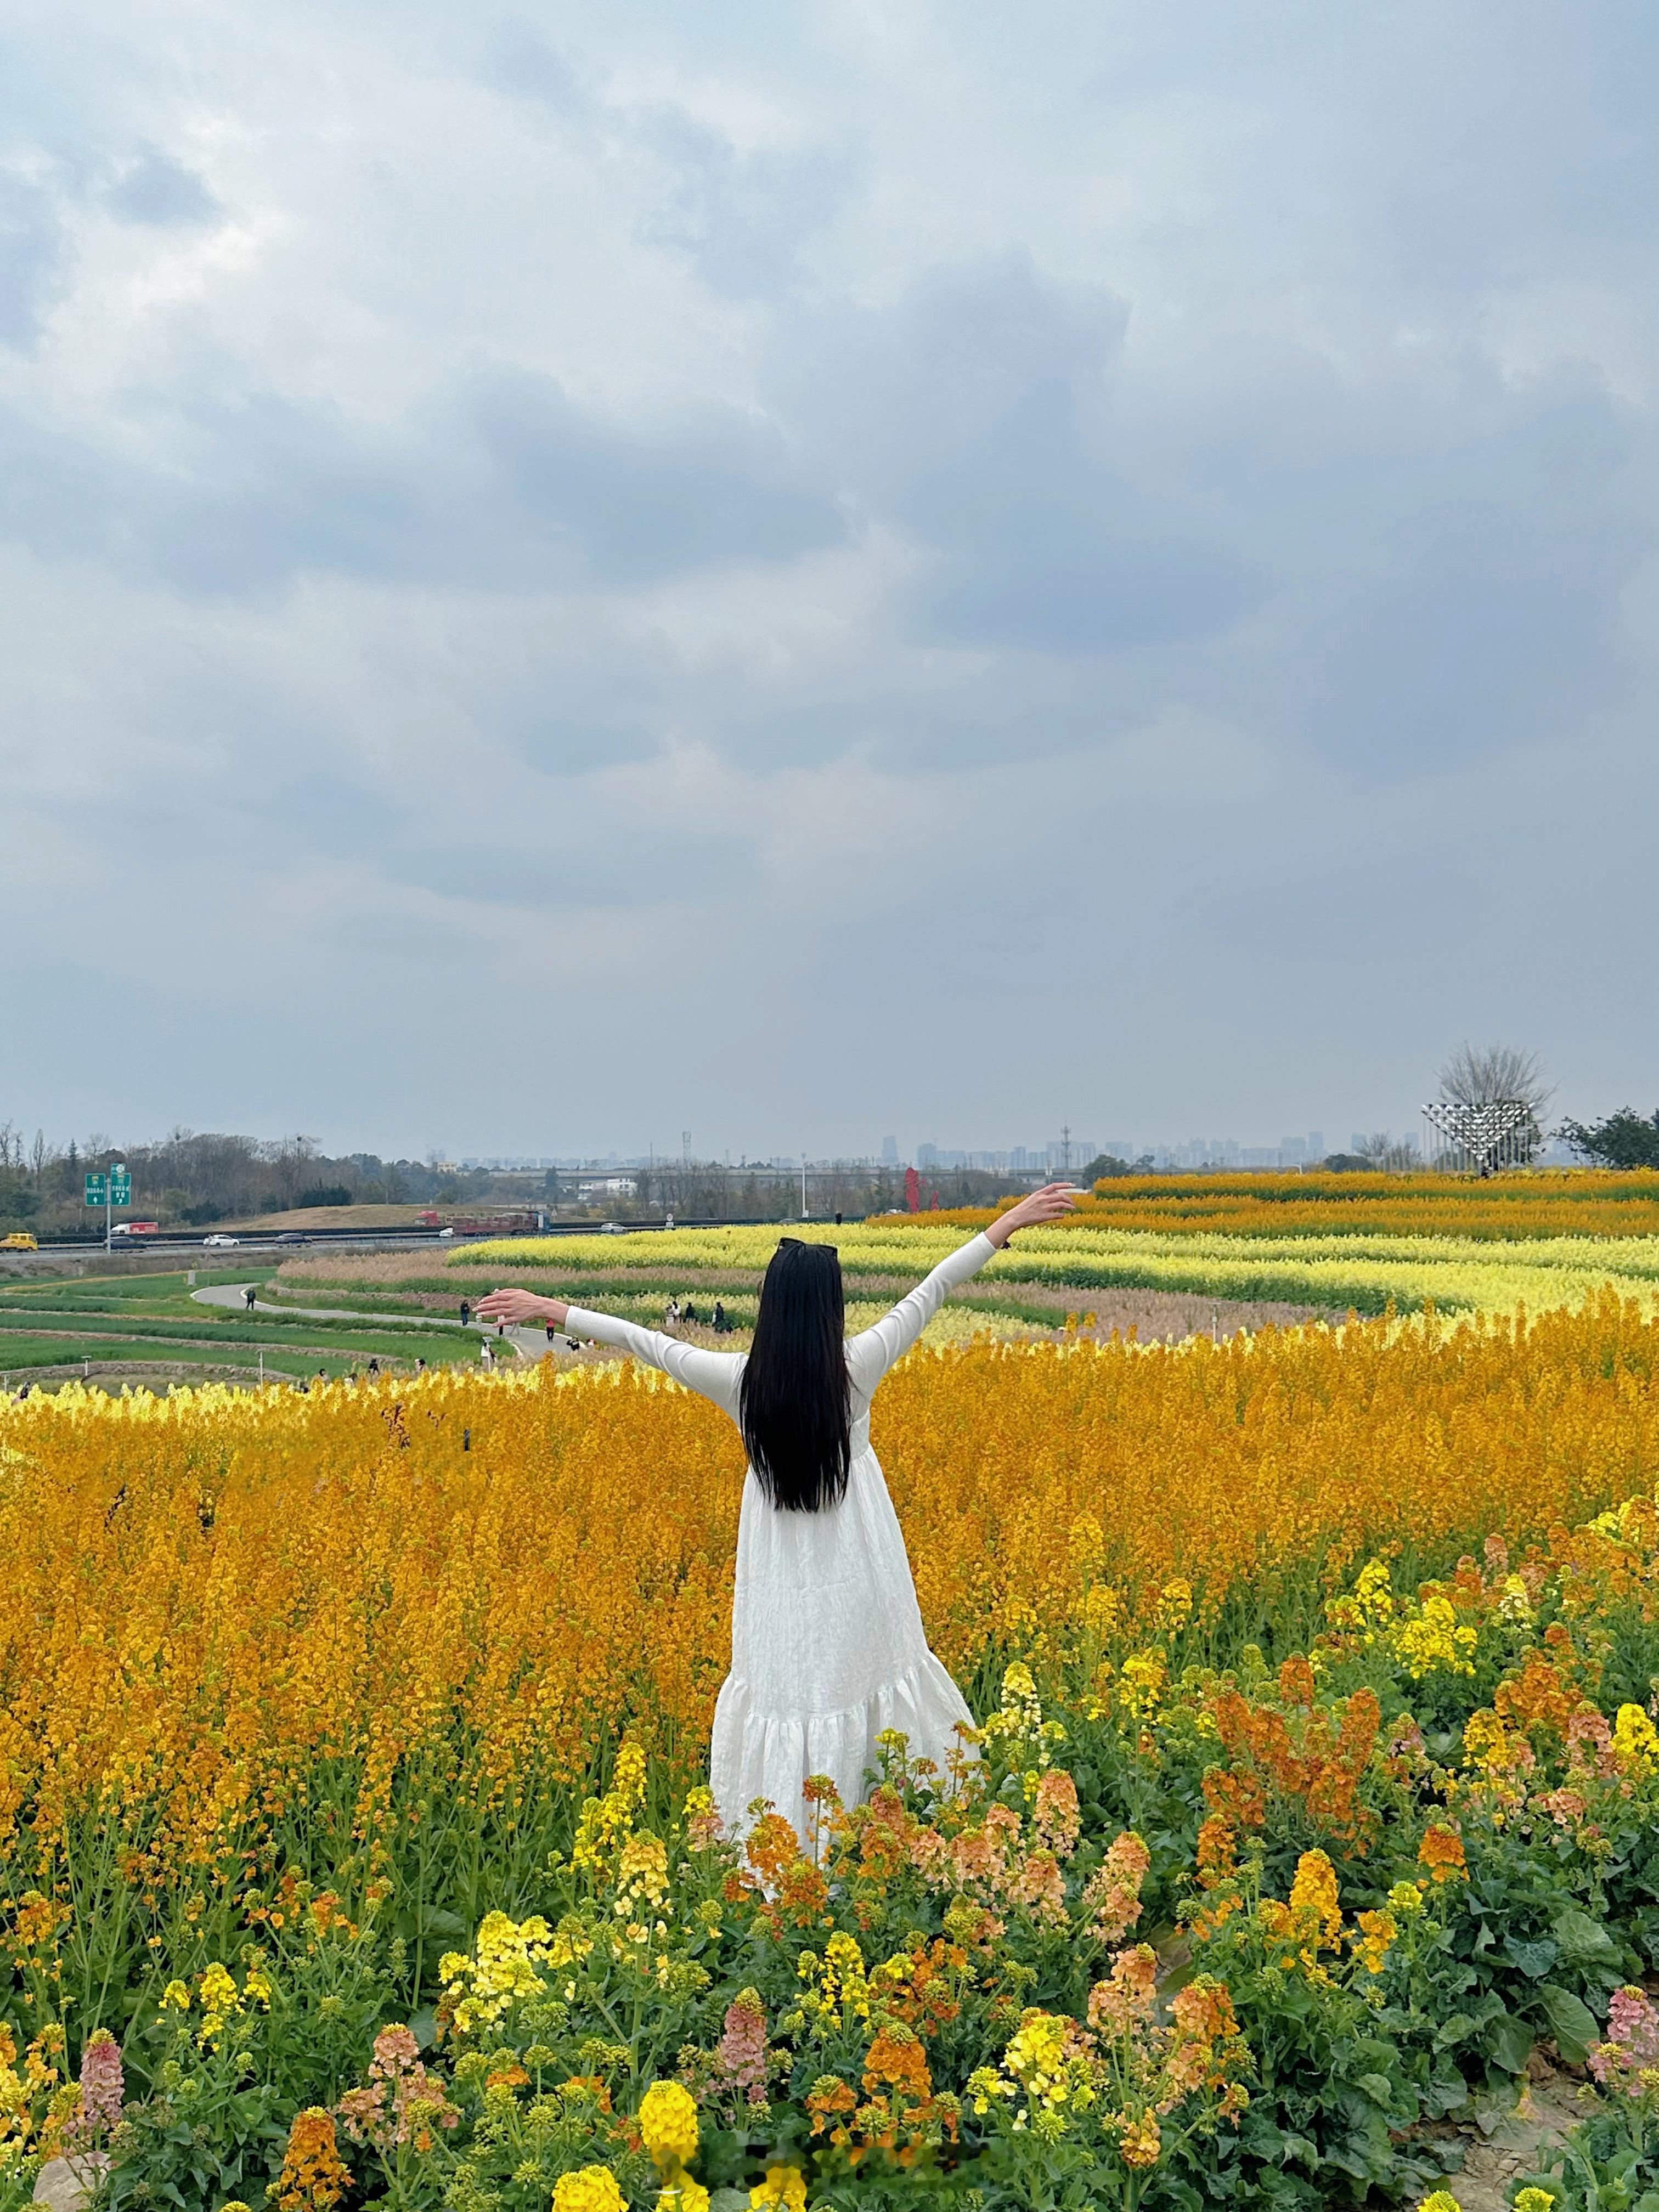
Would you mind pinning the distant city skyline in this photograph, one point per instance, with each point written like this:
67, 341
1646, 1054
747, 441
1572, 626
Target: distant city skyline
1056, 1156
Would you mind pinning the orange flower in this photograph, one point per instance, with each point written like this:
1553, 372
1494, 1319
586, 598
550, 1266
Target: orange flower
315, 2177
1442, 1852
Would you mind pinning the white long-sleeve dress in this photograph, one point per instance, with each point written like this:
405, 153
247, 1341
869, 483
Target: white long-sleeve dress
827, 1647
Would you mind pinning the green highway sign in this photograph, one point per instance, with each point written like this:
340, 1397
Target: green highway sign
95, 1194
121, 1187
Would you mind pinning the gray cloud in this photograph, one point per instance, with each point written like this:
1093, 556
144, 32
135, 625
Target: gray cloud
504, 482
156, 189
30, 252
742, 218
521, 63
974, 414
1133, 530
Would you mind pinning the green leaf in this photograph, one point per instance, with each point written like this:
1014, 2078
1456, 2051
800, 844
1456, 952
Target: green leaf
438, 1922
1584, 1942
1509, 2042
424, 2028
1533, 1959
1453, 2030
1376, 2088
1572, 2022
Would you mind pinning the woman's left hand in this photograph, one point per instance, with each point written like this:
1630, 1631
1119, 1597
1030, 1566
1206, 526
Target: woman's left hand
1051, 1203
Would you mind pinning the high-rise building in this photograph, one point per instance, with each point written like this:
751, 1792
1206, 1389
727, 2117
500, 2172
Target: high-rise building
890, 1151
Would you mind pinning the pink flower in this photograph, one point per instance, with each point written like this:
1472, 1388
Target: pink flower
1056, 1815
402, 2102
1112, 1900
1129, 1994
102, 2088
1633, 2044
741, 2054
1038, 1884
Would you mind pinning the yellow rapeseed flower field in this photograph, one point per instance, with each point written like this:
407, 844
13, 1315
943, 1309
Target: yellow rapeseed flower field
1362, 1273
233, 1616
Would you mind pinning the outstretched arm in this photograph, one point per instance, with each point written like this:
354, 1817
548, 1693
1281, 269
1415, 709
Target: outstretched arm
711, 1374
871, 1354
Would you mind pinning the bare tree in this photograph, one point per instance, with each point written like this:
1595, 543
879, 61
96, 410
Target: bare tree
1389, 1155
1494, 1075
1497, 1075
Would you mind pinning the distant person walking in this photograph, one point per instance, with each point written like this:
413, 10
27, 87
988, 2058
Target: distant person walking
466, 1312
827, 1647
722, 1327
248, 1296
487, 1358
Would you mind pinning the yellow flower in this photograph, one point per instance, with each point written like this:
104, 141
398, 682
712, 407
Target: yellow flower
682, 2194
1534, 2200
1636, 1740
1144, 1674
590, 2189
480, 1989
1175, 1605
1313, 1893
668, 2124
1140, 2140
1439, 2200
1377, 1931
1437, 1643
784, 2184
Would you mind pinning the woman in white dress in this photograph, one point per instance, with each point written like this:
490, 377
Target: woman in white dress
827, 1648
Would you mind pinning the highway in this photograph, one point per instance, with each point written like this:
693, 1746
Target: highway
289, 1240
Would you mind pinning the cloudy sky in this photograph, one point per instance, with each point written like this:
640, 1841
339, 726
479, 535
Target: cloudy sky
798, 572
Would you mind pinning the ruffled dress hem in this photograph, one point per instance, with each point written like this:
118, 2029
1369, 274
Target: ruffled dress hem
756, 1754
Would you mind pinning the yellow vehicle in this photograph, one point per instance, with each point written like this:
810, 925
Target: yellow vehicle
19, 1241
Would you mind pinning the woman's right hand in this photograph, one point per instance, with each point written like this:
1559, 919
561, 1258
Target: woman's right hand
516, 1308
1051, 1203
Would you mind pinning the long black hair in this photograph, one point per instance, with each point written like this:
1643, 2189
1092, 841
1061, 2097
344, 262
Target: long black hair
794, 1401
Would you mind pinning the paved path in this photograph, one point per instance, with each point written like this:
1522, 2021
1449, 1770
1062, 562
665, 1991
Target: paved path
531, 1343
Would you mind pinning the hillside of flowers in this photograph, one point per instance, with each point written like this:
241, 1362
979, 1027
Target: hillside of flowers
1326, 1260
353, 1850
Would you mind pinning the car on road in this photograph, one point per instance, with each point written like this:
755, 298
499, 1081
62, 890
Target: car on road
223, 1242
290, 1236
19, 1241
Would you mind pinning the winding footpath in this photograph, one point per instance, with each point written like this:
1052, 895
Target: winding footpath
529, 1343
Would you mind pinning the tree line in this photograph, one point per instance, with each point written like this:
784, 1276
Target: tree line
192, 1180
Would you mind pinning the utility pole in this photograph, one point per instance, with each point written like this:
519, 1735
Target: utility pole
1065, 1150
803, 1186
